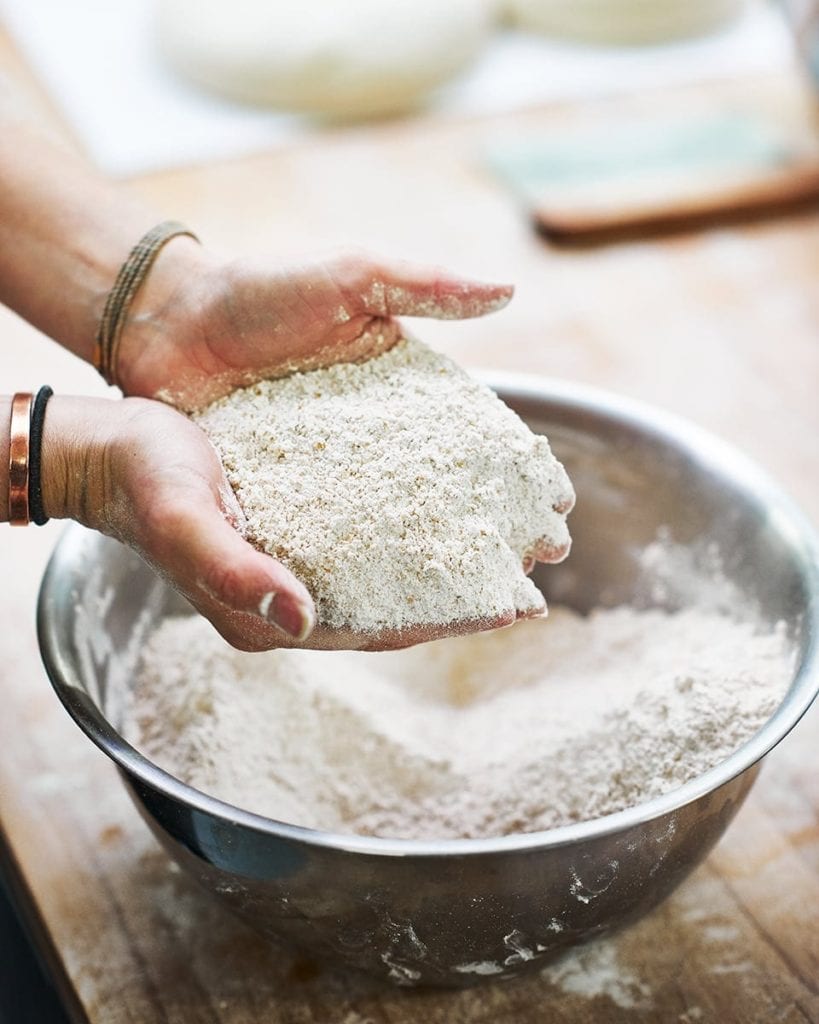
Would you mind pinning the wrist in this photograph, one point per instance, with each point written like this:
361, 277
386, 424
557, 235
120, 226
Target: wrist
72, 467
163, 315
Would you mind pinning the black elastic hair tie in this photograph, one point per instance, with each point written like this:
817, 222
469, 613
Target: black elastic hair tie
35, 484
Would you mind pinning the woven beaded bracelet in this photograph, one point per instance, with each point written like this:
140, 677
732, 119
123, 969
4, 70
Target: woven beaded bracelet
131, 275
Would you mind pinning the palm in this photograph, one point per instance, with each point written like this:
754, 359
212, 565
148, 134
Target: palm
178, 511
301, 320
242, 322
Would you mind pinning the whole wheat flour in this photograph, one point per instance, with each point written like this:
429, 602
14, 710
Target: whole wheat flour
545, 723
402, 492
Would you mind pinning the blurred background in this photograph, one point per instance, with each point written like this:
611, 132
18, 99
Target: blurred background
147, 84
645, 171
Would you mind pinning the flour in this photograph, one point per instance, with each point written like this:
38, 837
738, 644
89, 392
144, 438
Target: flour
596, 970
549, 722
400, 491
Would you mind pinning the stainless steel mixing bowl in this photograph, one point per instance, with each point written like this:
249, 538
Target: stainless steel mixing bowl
458, 911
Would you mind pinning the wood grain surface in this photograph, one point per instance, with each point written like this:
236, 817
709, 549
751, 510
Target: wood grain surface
722, 327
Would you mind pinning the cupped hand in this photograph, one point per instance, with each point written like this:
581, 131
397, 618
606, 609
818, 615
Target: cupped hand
143, 473
202, 326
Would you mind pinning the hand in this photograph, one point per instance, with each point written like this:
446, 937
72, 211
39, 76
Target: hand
201, 326
143, 473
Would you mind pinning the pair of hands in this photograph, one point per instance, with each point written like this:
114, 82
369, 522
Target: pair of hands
199, 328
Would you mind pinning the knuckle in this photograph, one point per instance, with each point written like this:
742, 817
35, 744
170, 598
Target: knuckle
226, 583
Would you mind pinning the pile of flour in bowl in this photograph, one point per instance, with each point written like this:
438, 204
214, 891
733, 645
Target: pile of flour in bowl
548, 722
402, 492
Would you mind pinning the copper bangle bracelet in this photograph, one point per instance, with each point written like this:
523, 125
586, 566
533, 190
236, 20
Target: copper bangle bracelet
19, 434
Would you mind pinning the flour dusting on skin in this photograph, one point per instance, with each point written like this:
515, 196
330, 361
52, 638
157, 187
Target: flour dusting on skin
449, 305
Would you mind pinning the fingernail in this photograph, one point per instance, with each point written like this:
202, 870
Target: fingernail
291, 615
501, 300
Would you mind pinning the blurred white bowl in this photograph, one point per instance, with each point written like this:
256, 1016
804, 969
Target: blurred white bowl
623, 21
361, 58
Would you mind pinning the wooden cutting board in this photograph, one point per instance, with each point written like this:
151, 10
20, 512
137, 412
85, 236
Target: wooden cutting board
721, 327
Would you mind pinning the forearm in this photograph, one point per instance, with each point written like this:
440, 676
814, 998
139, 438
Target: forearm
64, 231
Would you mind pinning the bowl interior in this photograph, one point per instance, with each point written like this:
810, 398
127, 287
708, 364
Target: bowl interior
665, 515
668, 515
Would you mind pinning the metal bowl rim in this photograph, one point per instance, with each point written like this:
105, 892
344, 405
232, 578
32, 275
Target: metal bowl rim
707, 448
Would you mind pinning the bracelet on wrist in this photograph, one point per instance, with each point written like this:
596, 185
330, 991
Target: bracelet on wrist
19, 429
37, 512
25, 501
131, 275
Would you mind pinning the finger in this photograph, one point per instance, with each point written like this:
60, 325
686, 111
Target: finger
244, 632
249, 633
387, 288
549, 551
538, 612
223, 574
395, 639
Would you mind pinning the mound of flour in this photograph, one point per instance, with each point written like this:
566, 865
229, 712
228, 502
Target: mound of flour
548, 722
402, 492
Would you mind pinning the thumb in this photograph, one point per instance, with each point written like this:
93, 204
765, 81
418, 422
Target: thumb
221, 573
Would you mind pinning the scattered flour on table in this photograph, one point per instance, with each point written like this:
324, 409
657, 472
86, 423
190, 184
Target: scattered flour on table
596, 970
548, 722
402, 492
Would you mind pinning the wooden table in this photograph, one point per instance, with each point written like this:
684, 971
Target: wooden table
722, 327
